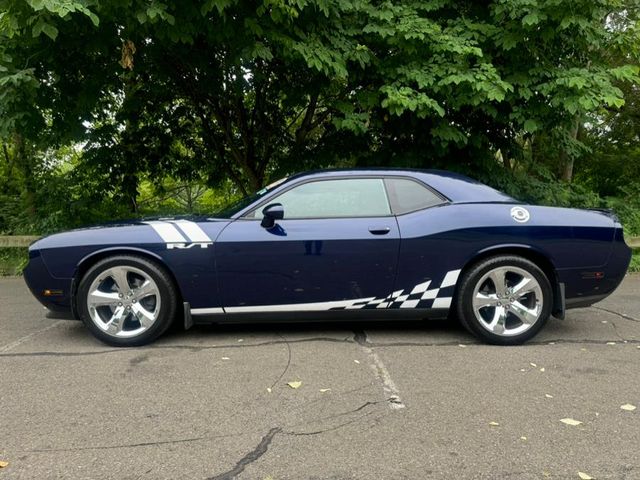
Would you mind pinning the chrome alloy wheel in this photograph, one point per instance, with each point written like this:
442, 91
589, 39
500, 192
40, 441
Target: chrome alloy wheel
123, 301
507, 301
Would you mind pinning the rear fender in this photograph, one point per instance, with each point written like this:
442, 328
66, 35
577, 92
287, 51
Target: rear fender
537, 256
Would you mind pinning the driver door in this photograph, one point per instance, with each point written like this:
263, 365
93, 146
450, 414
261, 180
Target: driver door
336, 247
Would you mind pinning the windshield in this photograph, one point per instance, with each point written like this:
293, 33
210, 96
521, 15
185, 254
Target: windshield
234, 207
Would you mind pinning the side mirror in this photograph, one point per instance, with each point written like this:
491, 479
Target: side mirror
271, 213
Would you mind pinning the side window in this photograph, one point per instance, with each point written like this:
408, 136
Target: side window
407, 196
357, 197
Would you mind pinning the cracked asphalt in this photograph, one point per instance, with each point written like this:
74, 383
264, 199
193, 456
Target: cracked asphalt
397, 400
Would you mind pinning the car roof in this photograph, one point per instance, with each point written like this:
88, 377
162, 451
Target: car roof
456, 187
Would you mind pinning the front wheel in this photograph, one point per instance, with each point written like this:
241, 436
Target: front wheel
504, 300
126, 300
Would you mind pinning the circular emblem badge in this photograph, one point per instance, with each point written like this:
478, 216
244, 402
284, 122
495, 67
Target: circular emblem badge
520, 214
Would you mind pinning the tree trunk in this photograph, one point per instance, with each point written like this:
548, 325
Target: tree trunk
567, 161
24, 162
9, 173
506, 161
566, 175
130, 189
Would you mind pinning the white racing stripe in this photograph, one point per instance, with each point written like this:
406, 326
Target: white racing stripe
168, 232
206, 311
296, 307
192, 230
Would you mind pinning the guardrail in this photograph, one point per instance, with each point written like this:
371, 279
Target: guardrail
16, 240
9, 241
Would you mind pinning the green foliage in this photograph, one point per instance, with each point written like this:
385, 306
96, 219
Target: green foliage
627, 206
116, 108
13, 261
260, 85
536, 184
635, 262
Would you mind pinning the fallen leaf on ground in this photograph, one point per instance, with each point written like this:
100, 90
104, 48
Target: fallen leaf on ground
357, 361
628, 407
585, 476
494, 424
323, 390
3, 464
295, 384
225, 358
548, 396
571, 421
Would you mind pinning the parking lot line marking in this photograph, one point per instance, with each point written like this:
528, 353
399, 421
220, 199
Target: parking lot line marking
26, 338
388, 385
380, 370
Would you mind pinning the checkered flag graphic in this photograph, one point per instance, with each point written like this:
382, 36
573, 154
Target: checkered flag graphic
421, 296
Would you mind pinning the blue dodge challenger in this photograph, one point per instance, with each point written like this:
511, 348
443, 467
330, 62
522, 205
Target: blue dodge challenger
338, 244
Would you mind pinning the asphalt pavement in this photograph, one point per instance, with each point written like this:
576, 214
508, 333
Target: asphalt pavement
392, 400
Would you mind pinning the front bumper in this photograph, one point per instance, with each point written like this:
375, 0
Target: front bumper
54, 293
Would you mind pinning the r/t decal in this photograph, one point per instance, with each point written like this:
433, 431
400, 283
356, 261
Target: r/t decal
183, 246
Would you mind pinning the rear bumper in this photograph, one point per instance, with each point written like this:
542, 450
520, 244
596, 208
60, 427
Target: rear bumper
582, 302
584, 287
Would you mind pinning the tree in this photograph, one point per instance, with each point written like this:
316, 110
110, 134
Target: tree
249, 90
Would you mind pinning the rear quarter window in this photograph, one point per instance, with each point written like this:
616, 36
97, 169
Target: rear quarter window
408, 195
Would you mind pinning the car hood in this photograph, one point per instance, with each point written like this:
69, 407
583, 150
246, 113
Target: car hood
136, 232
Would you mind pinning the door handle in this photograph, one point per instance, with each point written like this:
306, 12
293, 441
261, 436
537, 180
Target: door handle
379, 230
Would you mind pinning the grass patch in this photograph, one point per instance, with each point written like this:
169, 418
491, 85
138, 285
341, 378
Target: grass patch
13, 261
635, 261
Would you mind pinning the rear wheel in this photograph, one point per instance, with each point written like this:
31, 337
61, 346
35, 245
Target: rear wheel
126, 300
504, 300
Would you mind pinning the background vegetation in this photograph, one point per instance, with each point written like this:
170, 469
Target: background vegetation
125, 108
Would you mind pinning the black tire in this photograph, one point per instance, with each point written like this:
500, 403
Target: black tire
165, 286
469, 281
